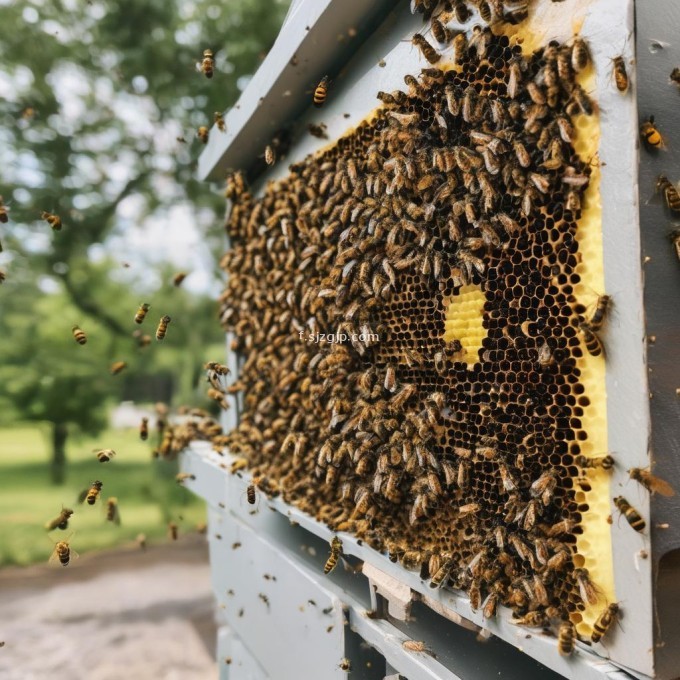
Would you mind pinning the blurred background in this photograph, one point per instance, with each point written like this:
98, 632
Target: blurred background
100, 102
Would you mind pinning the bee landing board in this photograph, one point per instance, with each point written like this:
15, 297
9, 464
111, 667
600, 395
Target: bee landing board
469, 223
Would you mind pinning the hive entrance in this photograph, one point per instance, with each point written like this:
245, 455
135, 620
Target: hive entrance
464, 321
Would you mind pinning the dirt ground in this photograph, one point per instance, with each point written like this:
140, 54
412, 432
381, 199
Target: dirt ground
133, 614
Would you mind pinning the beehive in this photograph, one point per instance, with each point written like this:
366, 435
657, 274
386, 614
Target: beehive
459, 224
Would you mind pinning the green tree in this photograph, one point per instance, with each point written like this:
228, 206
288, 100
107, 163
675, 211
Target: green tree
89, 122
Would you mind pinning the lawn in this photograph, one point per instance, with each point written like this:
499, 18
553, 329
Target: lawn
146, 490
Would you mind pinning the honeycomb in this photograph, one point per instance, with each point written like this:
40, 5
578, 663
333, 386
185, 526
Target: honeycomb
408, 304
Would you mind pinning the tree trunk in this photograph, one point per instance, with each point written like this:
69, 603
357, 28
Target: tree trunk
59, 434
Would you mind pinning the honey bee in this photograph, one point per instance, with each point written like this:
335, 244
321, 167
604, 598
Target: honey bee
592, 341
173, 531
63, 553
104, 455
620, 74
650, 482
112, 512
79, 335
4, 217
203, 134
604, 622
117, 367
345, 664
601, 306
60, 521
587, 589
181, 477
651, 135
416, 646
143, 340
53, 220
144, 429
460, 48
604, 462
3, 276
162, 327
219, 121
336, 551
318, 131
580, 55
208, 64
534, 619
178, 279
630, 513
439, 31
544, 487
675, 75
566, 638
670, 193
427, 50
675, 240
93, 493
320, 92
269, 155
251, 496
141, 312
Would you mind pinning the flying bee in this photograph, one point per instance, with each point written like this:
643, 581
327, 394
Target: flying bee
60, 521
173, 531
269, 155
587, 589
4, 217
620, 74
219, 397
651, 135
630, 513
650, 482
182, 477
63, 552
669, 192
53, 220
336, 551
144, 429
203, 134
141, 312
79, 335
208, 64
320, 92
592, 341
603, 462
566, 638
178, 279
219, 121
112, 512
117, 367
675, 75
427, 50
604, 622
162, 327
92, 493
318, 131
104, 455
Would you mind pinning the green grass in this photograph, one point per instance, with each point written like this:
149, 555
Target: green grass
147, 493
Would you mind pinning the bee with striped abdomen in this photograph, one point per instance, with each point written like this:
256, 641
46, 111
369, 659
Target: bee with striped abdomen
604, 622
603, 462
93, 492
566, 638
620, 74
650, 135
79, 335
321, 91
141, 312
630, 513
144, 429
601, 306
592, 341
669, 192
208, 63
336, 551
53, 220
251, 495
63, 553
162, 327
587, 589
426, 49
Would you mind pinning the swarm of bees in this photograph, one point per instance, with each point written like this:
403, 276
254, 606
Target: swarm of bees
466, 177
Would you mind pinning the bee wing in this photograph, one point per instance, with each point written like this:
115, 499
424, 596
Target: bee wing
54, 558
660, 486
82, 496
